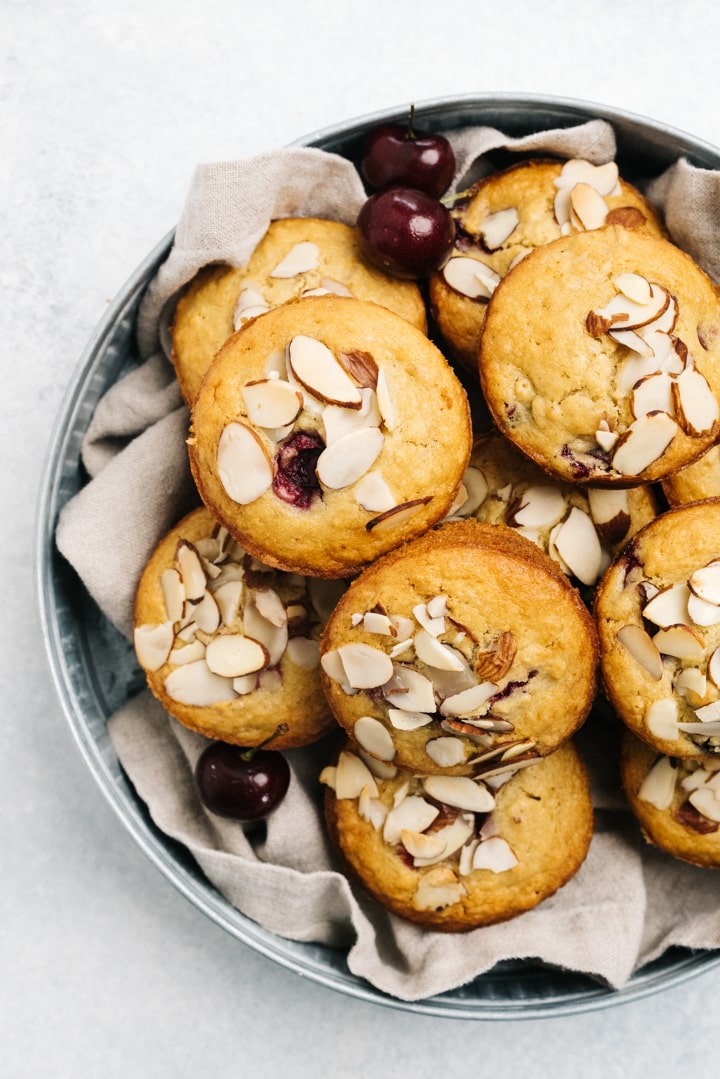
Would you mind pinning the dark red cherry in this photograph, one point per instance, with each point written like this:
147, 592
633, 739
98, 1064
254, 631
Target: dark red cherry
243, 784
295, 480
405, 232
394, 154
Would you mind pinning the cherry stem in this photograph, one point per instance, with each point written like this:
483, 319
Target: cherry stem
248, 754
410, 131
451, 199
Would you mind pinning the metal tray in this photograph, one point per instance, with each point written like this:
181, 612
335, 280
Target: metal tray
94, 668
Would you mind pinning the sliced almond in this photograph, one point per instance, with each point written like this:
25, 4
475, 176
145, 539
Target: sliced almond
187, 653
339, 421
625, 314
270, 606
461, 792
604, 178
371, 809
668, 606
173, 594
701, 612
634, 286
195, 684
352, 776
707, 802
192, 572
658, 787
398, 515
411, 814
361, 367
695, 404
422, 846
152, 644
709, 713
233, 655
653, 393
635, 368
432, 624
494, 854
541, 506
453, 836
345, 461
446, 752
207, 613
661, 719
713, 667
365, 667
498, 227
376, 622
408, 721
304, 653
610, 511
679, 641
271, 402
410, 691
373, 493
384, 400
318, 371
244, 467
301, 258
470, 277
250, 303
636, 343
641, 647
643, 443
431, 651
588, 206
469, 701
690, 680
228, 597
374, 738
705, 582
476, 489
274, 638
577, 543
437, 889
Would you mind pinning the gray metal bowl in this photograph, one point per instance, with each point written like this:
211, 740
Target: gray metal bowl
94, 669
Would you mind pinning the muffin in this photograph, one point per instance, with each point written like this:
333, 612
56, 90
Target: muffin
509, 213
328, 432
451, 853
464, 649
229, 646
297, 257
600, 357
699, 480
676, 801
658, 618
580, 528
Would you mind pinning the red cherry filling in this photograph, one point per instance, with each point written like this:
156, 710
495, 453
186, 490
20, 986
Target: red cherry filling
295, 479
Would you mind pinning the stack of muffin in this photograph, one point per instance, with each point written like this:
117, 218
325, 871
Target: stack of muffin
362, 564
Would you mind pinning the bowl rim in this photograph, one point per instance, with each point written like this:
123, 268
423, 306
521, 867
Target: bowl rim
451, 1004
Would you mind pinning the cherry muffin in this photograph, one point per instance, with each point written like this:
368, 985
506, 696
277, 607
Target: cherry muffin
509, 213
453, 853
466, 648
600, 357
328, 432
676, 801
297, 257
658, 617
229, 646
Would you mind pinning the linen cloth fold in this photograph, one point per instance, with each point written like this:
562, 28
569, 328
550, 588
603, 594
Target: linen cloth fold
627, 904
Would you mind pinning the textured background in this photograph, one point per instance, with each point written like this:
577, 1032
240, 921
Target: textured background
104, 112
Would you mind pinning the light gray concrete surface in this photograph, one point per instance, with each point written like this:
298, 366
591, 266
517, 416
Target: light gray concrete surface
104, 112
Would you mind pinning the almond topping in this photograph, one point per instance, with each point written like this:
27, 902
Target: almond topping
412, 813
374, 738
643, 443
365, 667
194, 578
695, 404
658, 787
476, 489
361, 367
634, 286
318, 371
609, 510
540, 506
713, 668
431, 651
410, 691
301, 258
228, 597
250, 304
626, 314
578, 545
641, 647
438, 888
587, 206
470, 277
690, 680
173, 594
653, 393
468, 701
275, 638
705, 582
661, 719
446, 752
352, 777
494, 854
707, 802
493, 665
497, 227
153, 644
701, 612
669, 606
679, 641
244, 467
304, 653
194, 683
339, 421
398, 515
233, 655
604, 178
271, 402
461, 792
373, 493
384, 400
422, 846
347, 459
408, 721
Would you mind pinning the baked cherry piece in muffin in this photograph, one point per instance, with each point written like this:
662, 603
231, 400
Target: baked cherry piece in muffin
326, 433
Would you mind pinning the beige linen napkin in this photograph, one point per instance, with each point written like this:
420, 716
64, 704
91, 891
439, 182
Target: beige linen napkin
627, 904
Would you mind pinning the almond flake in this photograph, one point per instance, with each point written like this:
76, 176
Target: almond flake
541, 506
270, 402
318, 371
422, 846
578, 545
695, 403
641, 647
270, 606
658, 787
679, 641
304, 653
373, 493
625, 314
371, 809
398, 515
494, 854
604, 178
661, 719
706, 802
701, 612
195, 684
705, 582
228, 597
374, 738
469, 701
636, 343
709, 713
384, 400
494, 664
207, 613
352, 776
432, 624
669, 606
410, 691
375, 622
470, 277
244, 467
587, 206
408, 721
339, 421
301, 258
461, 792
690, 680
173, 594
438, 892
453, 836
192, 573
274, 638
446, 752
653, 393
713, 667
365, 667
497, 227
412, 814
361, 367
346, 460
643, 443
634, 286
187, 653
233, 655
476, 489
247, 683
609, 510
431, 651
250, 304
153, 644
